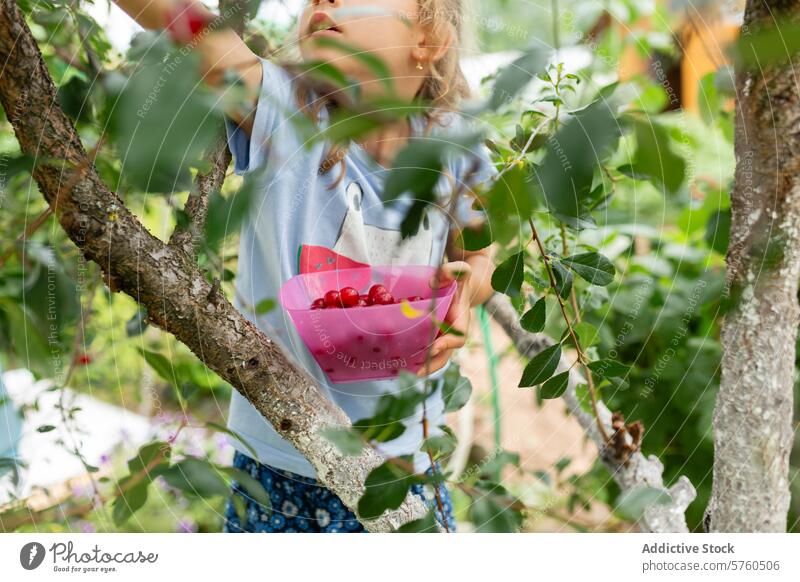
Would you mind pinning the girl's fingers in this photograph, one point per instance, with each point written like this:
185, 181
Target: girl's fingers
436, 363
447, 342
449, 272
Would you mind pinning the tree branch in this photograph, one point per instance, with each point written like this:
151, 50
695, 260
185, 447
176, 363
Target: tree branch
637, 470
165, 280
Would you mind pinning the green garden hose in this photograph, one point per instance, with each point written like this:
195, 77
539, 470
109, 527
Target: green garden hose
483, 316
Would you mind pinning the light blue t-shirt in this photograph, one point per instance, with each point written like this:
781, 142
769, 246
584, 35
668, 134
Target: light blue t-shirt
295, 206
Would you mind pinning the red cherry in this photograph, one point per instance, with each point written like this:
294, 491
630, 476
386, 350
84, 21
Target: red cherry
332, 299
183, 22
318, 303
197, 21
362, 302
384, 298
83, 359
376, 290
348, 296
415, 298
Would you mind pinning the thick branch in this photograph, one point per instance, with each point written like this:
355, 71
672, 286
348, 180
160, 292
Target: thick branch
165, 280
753, 415
639, 470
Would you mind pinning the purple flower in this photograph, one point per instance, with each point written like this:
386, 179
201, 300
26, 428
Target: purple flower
82, 490
186, 526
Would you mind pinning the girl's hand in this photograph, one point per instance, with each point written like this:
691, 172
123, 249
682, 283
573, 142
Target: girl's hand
457, 317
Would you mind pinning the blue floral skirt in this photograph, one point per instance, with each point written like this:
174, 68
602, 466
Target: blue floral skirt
300, 504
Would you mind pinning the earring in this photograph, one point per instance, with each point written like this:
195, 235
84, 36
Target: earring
419, 66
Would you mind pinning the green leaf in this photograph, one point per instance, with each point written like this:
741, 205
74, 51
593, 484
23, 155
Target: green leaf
586, 332
476, 238
584, 398
562, 464
327, 72
593, 267
386, 488
346, 126
163, 120
632, 503
718, 231
439, 446
45, 428
608, 368
555, 386
534, 319
347, 441
240, 507
490, 516
252, 486
497, 461
165, 370
226, 214
523, 136
128, 503
512, 194
413, 218
21, 164
544, 477
136, 324
147, 455
541, 366
370, 60
573, 154
655, 158
29, 342
425, 524
418, 167
74, 98
265, 306
564, 279
618, 383
508, 276
513, 78
234, 434
456, 389
197, 477
386, 424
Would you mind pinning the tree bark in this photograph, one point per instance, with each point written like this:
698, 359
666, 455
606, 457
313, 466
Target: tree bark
639, 471
753, 414
165, 280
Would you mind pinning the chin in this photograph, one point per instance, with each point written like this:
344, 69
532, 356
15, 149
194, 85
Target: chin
329, 56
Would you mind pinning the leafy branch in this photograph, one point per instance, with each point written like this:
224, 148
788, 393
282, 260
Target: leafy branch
582, 358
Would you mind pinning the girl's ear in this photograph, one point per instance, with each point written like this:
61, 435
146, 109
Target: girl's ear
433, 47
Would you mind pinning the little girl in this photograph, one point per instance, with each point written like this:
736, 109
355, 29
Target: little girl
318, 204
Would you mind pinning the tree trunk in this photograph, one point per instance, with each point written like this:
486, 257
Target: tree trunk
753, 414
165, 280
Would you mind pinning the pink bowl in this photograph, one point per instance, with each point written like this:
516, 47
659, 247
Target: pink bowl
368, 343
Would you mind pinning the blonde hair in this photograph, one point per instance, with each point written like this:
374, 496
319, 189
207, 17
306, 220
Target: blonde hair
443, 88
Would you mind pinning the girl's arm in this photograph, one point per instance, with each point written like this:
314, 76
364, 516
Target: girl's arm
219, 50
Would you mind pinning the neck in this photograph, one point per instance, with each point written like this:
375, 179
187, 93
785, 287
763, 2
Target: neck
384, 143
